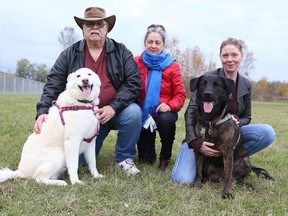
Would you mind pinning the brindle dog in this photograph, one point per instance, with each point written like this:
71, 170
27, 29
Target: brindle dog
215, 125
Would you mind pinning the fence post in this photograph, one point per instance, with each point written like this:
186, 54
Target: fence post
15, 84
4, 86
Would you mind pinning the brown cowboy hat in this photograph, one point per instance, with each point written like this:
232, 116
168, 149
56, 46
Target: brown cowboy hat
94, 14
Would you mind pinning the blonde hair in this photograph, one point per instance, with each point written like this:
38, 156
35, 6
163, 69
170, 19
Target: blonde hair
233, 41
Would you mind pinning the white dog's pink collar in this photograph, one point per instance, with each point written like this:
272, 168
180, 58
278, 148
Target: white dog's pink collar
76, 108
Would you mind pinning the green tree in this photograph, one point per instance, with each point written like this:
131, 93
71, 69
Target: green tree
24, 69
34, 71
41, 72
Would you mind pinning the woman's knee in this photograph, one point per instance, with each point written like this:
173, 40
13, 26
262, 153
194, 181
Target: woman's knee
258, 132
167, 118
269, 133
257, 137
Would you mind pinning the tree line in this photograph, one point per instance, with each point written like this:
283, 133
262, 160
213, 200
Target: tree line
192, 61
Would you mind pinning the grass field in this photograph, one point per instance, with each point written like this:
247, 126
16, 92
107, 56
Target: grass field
152, 192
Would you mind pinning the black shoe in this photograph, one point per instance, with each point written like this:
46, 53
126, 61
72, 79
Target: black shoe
163, 164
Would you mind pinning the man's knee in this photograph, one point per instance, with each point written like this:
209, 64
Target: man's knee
133, 110
132, 115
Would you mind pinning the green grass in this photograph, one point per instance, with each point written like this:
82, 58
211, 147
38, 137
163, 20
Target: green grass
152, 192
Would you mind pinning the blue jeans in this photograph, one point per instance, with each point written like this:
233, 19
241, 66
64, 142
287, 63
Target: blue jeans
128, 123
255, 138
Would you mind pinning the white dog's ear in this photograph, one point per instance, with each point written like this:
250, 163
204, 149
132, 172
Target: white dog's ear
68, 77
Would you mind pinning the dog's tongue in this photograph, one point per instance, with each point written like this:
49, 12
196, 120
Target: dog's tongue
86, 91
208, 106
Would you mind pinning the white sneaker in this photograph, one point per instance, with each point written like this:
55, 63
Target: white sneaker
128, 166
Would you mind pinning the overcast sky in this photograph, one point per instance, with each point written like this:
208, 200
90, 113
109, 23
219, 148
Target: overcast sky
30, 28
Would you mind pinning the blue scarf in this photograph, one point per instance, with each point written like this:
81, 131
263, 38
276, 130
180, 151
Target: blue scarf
156, 64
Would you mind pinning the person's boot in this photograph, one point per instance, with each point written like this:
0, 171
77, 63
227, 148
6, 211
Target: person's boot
163, 164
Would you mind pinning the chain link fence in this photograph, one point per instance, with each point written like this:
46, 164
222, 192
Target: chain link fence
10, 84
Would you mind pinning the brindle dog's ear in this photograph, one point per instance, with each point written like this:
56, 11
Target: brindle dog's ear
193, 84
230, 85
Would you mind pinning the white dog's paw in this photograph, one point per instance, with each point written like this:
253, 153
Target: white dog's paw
51, 182
98, 176
61, 183
77, 182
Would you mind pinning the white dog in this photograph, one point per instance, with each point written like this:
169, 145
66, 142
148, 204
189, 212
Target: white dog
70, 130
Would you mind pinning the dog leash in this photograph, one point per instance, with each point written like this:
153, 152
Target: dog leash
261, 173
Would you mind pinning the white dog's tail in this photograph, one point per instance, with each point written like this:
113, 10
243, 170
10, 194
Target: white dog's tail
6, 174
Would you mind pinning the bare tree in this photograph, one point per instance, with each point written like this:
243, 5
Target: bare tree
67, 37
198, 62
211, 64
247, 64
262, 88
171, 47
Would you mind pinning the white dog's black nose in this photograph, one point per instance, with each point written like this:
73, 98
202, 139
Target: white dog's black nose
85, 81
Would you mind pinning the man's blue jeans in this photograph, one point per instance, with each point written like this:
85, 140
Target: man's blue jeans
255, 138
128, 123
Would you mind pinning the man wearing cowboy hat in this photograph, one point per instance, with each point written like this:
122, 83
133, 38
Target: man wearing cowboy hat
120, 84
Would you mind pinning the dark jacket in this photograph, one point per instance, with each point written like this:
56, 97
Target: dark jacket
243, 100
121, 67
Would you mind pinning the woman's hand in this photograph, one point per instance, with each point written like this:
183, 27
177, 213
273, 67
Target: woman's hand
163, 107
235, 119
209, 152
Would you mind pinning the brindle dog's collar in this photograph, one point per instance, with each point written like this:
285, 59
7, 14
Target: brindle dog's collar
226, 118
209, 127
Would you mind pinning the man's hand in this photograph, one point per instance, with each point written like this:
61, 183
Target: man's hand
105, 114
39, 122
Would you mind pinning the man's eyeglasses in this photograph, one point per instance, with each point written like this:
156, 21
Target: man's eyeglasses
99, 24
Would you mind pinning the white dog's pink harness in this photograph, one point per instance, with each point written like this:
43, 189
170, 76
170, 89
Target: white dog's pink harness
76, 108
